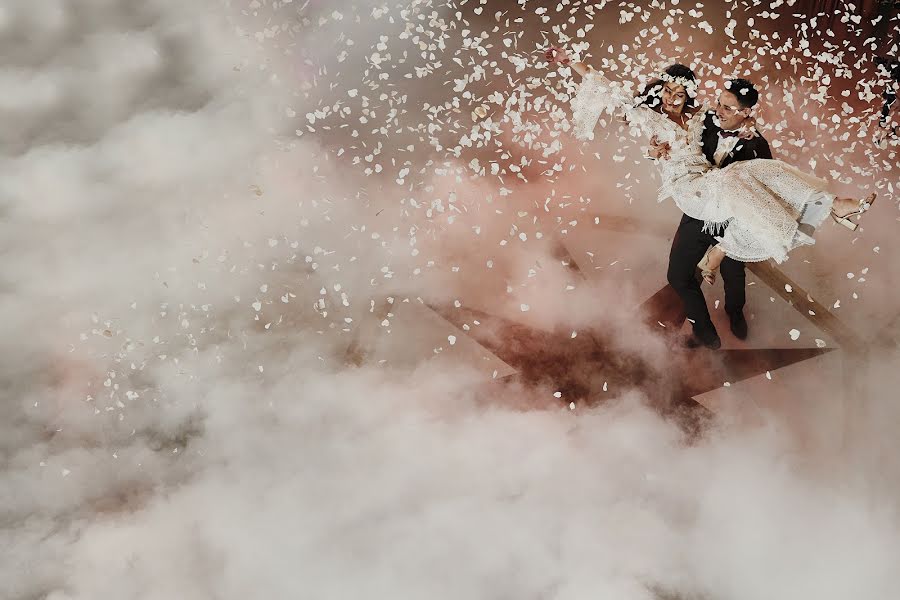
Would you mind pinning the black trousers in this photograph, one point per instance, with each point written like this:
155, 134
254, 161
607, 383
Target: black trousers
688, 247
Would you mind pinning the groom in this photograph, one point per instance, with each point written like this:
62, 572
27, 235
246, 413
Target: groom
722, 146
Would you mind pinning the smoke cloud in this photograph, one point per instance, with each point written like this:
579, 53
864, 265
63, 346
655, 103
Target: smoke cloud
228, 233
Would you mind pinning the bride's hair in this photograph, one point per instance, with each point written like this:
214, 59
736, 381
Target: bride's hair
651, 95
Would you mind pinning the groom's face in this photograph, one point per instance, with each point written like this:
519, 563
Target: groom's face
730, 112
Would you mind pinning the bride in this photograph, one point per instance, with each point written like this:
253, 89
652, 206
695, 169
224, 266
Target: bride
761, 201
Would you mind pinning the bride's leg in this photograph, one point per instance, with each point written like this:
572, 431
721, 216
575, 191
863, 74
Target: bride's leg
844, 208
710, 264
715, 258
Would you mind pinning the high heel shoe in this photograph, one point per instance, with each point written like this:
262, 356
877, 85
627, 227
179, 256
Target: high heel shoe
709, 275
864, 205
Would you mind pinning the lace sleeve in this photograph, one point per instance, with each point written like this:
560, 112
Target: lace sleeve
728, 241
597, 95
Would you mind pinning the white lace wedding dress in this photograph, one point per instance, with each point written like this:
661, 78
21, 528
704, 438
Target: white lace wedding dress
763, 202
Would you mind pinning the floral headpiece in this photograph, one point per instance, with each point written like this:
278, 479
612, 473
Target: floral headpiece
689, 85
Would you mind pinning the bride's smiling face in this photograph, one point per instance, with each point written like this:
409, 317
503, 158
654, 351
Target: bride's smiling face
674, 97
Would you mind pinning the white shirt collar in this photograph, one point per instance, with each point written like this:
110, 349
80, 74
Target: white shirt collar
724, 147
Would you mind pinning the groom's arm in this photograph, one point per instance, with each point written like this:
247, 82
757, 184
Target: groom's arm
762, 149
758, 147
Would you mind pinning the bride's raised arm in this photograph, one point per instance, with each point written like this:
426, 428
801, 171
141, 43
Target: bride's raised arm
555, 54
595, 95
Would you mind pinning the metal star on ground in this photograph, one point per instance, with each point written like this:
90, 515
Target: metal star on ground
592, 366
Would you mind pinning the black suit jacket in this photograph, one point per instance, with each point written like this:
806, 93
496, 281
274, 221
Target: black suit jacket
758, 147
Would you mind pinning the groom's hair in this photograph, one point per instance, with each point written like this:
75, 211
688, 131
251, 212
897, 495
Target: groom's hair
744, 91
651, 95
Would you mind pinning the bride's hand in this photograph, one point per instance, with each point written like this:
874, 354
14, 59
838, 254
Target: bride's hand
659, 150
555, 54
748, 129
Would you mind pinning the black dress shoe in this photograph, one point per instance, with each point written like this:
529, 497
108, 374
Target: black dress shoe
738, 326
713, 343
